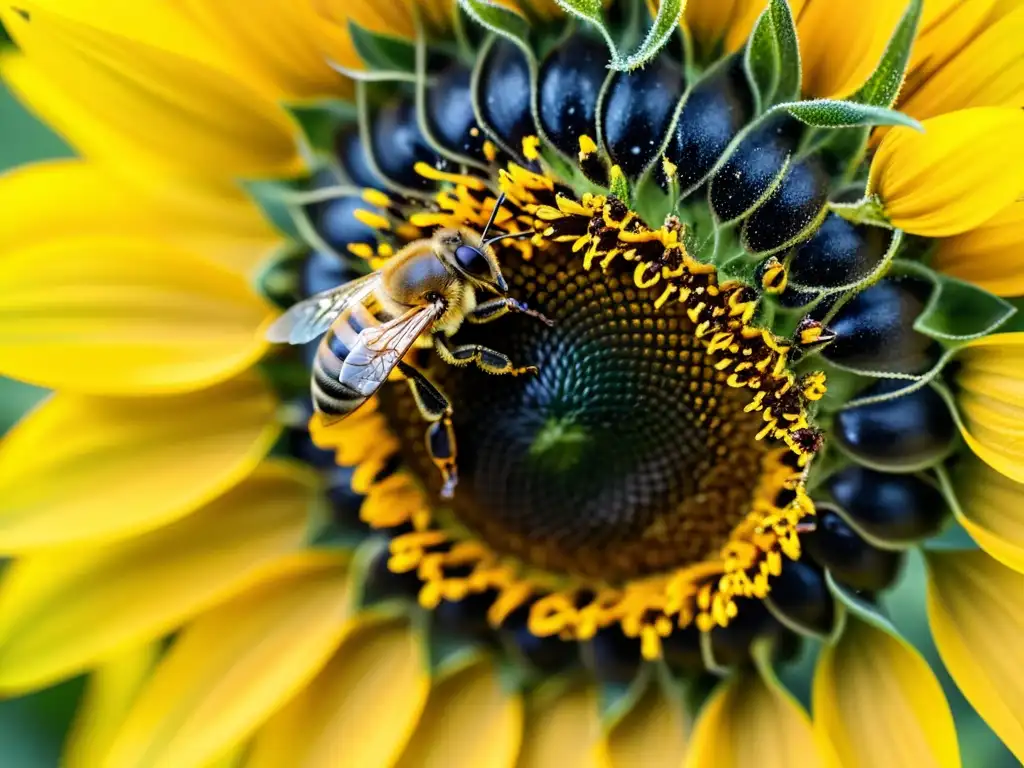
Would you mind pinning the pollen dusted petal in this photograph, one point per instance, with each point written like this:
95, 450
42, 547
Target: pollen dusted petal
235, 665
976, 612
470, 721
108, 696
126, 466
167, 108
361, 709
652, 734
65, 609
841, 42
991, 255
878, 702
748, 721
124, 316
962, 170
991, 401
210, 220
564, 732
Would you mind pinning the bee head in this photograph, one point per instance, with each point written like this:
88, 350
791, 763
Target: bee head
466, 253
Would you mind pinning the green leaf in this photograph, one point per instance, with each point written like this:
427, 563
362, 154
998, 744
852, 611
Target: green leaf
16, 399
319, 121
499, 20
788, 87
616, 699
761, 61
884, 85
383, 51
592, 12
271, 196
833, 113
5, 36
772, 57
859, 607
961, 311
665, 23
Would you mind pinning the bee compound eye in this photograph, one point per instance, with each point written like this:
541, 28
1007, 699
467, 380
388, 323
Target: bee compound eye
473, 261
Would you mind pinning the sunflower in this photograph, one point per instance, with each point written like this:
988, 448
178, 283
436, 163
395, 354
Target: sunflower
777, 245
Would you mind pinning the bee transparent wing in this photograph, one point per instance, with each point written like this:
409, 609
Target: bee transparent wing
309, 318
378, 350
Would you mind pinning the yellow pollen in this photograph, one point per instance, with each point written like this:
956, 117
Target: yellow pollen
371, 219
428, 171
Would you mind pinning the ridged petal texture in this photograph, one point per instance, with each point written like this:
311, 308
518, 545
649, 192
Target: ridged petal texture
361, 709
992, 511
205, 219
879, 703
990, 255
127, 465
653, 733
64, 610
960, 172
750, 721
991, 401
173, 102
976, 611
470, 721
232, 667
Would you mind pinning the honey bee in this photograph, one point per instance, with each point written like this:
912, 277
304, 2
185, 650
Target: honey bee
420, 297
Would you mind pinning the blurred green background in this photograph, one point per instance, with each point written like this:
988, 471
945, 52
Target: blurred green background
32, 728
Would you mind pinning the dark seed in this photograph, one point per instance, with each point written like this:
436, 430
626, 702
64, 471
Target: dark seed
790, 209
612, 657
895, 508
636, 113
345, 503
298, 441
322, 271
338, 226
398, 144
836, 546
503, 94
899, 435
752, 166
875, 331
382, 584
800, 594
449, 113
682, 650
353, 159
548, 654
839, 253
569, 84
440, 445
730, 645
714, 112
466, 618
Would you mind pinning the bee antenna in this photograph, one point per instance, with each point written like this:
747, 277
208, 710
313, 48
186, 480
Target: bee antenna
494, 212
510, 236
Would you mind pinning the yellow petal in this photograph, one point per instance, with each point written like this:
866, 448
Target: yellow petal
976, 612
981, 70
109, 695
278, 39
842, 41
944, 28
66, 609
991, 508
361, 709
990, 400
124, 316
990, 255
748, 722
80, 469
470, 721
956, 175
878, 702
210, 220
653, 733
564, 732
164, 108
235, 665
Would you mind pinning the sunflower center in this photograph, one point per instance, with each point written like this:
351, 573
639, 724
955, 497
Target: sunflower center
627, 454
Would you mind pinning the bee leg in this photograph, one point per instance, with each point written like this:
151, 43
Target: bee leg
437, 410
491, 310
485, 358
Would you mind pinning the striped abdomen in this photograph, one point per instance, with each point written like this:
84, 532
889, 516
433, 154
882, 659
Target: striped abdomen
331, 397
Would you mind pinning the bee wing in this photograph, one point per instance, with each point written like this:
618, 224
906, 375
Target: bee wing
309, 318
378, 350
